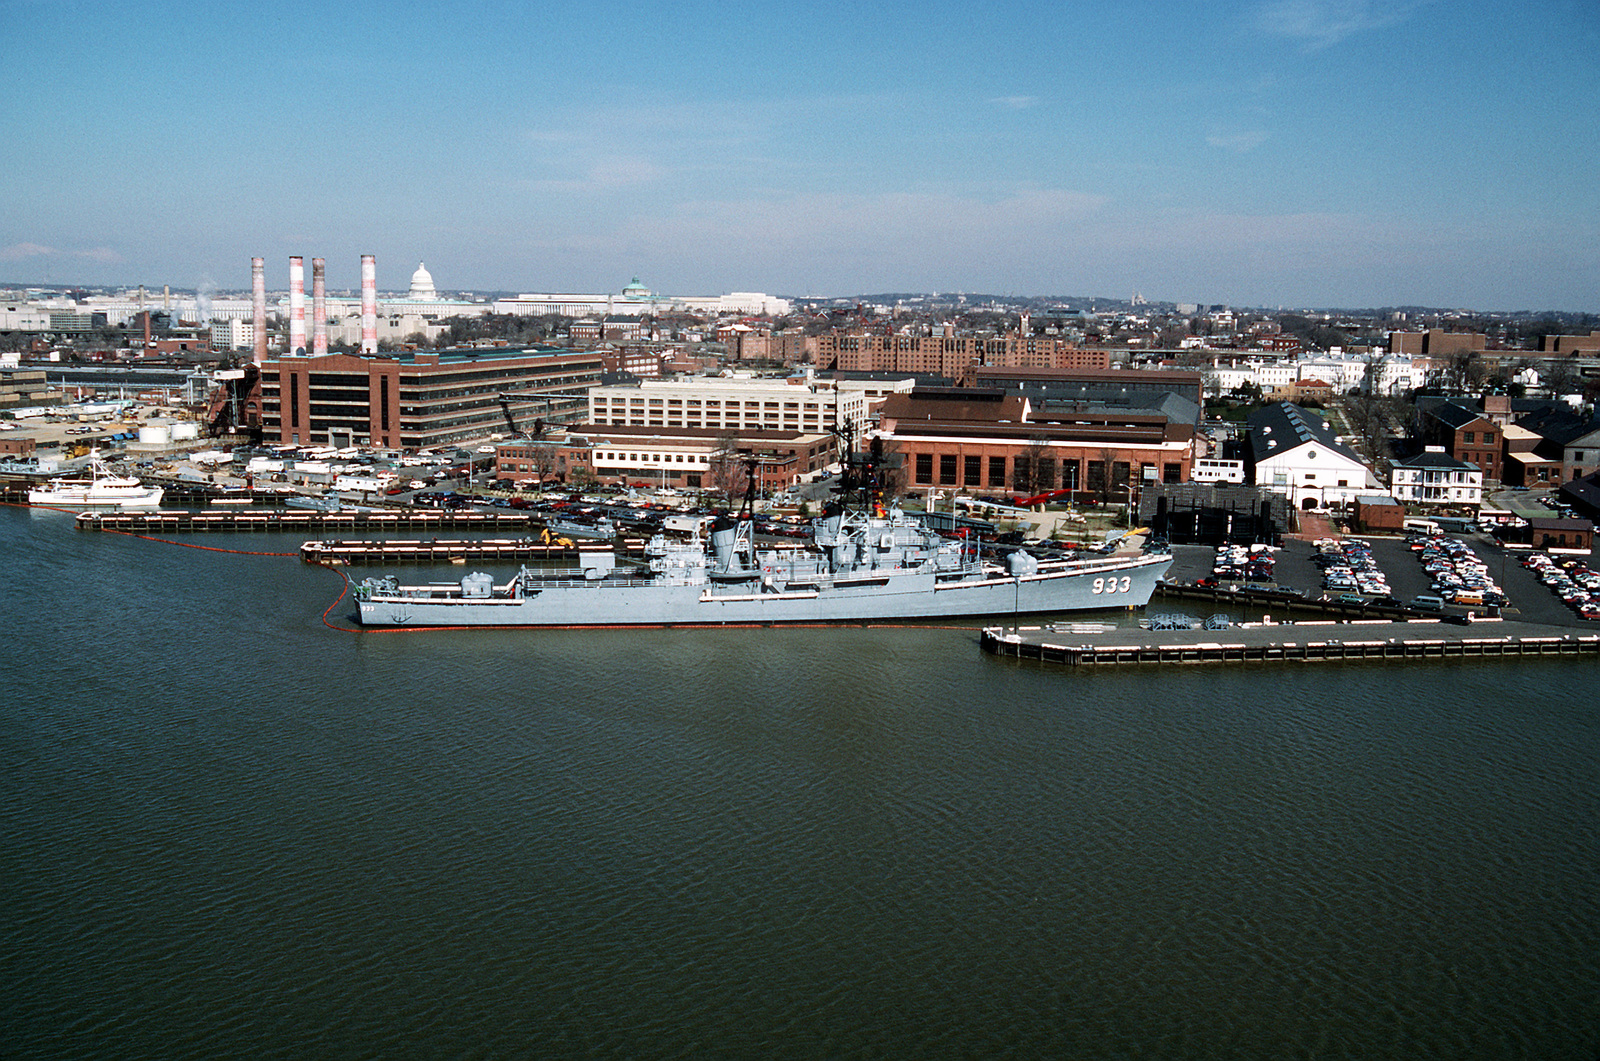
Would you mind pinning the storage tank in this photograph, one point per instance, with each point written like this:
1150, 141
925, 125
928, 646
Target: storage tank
155, 434
185, 431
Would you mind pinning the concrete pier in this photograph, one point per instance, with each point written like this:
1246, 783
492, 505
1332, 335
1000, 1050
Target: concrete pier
1282, 643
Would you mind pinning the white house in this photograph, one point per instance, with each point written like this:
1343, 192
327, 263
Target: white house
1433, 477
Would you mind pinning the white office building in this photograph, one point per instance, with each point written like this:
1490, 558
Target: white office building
796, 403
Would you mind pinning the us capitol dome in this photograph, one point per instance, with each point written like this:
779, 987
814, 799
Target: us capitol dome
422, 288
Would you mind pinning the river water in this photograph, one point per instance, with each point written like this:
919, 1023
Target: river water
232, 830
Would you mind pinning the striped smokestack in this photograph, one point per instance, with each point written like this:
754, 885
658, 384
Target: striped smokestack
319, 308
297, 306
369, 304
258, 306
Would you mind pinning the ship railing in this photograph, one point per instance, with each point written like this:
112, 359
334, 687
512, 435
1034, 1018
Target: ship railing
585, 583
1102, 563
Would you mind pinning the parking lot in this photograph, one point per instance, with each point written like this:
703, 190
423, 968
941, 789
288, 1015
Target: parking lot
1295, 568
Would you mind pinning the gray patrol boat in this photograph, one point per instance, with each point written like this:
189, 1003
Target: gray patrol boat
865, 564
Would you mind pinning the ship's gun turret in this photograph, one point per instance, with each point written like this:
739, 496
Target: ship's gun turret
1021, 562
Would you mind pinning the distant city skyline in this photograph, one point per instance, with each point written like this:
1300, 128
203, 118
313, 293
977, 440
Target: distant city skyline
1297, 153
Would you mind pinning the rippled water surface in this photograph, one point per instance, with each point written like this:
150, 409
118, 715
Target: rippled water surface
232, 831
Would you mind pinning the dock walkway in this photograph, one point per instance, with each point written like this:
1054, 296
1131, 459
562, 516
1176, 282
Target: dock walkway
1305, 642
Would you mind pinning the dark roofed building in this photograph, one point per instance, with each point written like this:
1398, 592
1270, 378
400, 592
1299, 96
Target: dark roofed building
1583, 494
1127, 388
1298, 453
1461, 430
1433, 477
1561, 535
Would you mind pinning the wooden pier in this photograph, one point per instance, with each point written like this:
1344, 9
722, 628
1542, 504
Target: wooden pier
306, 521
1312, 642
438, 550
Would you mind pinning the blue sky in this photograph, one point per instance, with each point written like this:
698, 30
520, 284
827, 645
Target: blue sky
1262, 153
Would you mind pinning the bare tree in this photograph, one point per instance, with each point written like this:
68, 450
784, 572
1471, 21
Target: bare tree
1026, 465
1371, 415
542, 458
1559, 376
727, 472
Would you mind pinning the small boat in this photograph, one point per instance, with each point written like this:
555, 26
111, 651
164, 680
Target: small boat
100, 490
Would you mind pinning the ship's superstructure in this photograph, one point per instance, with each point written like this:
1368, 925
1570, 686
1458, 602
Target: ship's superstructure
866, 563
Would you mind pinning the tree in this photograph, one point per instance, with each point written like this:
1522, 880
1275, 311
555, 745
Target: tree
727, 472
891, 470
1026, 465
1172, 334
1371, 414
542, 458
1246, 393
1460, 373
1559, 377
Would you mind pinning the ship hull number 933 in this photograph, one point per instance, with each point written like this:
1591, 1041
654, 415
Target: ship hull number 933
1113, 584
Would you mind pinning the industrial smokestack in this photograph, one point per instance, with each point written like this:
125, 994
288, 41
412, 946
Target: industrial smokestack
297, 306
258, 306
369, 304
319, 308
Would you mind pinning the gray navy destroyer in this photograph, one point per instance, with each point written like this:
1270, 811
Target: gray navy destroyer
866, 563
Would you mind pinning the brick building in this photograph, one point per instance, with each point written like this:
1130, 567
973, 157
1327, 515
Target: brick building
418, 400
950, 355
686, 458
988, 440
1436, 342
1467, 435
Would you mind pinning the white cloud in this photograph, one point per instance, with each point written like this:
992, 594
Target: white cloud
891, 219
1241, 141
23, 251
20, 251
621, 172
1319, 24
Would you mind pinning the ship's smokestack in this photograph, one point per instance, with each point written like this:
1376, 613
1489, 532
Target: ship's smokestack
369, 304
319, 308
258, 306
297, 306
